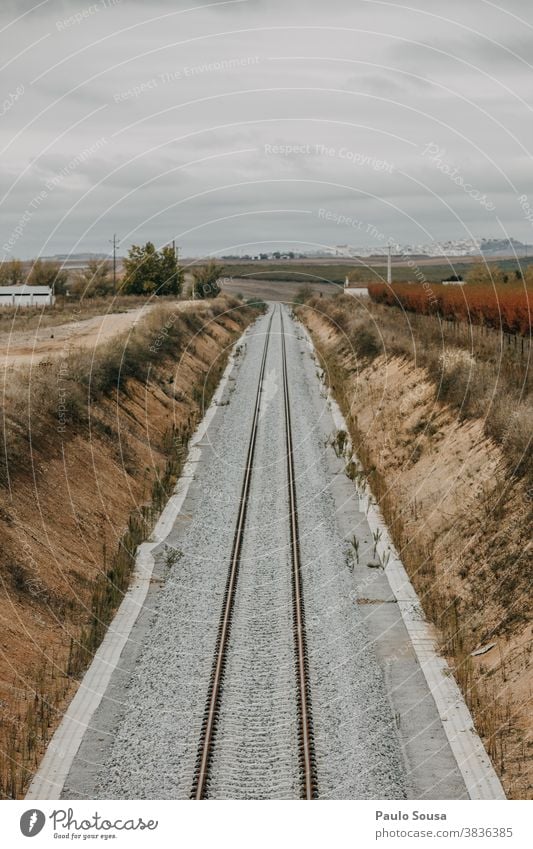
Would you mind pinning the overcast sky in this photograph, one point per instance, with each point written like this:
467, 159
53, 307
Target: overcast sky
244, 125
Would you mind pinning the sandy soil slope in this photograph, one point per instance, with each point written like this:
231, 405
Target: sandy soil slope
62, 514
463, 529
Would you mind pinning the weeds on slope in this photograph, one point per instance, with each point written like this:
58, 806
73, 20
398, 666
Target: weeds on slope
473, 368
114, 579
26, 731
44, 403
460, 619
26, 727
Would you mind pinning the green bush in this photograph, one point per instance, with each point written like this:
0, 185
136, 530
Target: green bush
205, 280
256, 304
365, 342
303, 294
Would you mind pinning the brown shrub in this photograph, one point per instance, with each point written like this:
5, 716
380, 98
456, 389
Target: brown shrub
472, 367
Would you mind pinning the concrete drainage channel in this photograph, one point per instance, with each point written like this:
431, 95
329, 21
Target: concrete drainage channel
478, 774
388, 719
50, 778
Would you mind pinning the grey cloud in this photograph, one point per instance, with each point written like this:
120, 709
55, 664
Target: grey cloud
289, 80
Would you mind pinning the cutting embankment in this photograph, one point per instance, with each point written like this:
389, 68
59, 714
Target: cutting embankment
92, 445
442, 429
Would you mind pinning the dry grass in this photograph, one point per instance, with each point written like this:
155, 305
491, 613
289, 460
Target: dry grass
473, 368
459, 508
86, 385
66, 310
55, 397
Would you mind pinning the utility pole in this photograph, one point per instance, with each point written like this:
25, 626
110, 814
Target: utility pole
389, 266
115, 242
176, 249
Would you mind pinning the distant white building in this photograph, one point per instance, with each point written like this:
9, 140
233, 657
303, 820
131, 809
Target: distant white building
355, 289
26, 296
343, 250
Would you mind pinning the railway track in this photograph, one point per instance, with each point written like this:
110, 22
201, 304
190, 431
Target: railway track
307, 769
307, 762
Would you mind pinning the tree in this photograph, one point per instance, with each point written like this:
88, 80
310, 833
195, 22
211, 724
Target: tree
206, 277
148, 270
171, 276
48, 274
142, 270
485, 274
12, 273
94, 281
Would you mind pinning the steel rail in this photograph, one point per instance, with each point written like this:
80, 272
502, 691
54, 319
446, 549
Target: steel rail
213, 697
307, 755
306, 746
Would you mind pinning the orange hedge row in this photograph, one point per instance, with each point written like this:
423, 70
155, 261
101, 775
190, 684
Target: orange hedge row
507, 306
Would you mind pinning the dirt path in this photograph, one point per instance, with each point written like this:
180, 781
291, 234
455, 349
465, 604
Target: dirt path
33, 346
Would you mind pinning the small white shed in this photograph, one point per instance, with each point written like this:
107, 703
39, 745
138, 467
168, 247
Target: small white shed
26, 296
355, 289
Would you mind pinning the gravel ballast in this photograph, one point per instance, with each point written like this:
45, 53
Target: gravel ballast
155, 747
357, 748
151, 749
256, 745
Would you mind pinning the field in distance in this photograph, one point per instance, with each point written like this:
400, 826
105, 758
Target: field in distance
285, 291
369, 269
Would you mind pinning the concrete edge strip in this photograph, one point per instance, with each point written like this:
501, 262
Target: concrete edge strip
472, 759
49, 780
